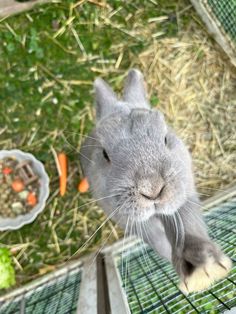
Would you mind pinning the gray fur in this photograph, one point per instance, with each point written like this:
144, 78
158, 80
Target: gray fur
149, 175
134, 91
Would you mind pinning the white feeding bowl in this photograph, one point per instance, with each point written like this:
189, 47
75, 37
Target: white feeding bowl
21, 220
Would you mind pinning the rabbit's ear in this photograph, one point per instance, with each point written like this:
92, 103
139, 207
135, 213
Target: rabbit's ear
134, 92
106, 99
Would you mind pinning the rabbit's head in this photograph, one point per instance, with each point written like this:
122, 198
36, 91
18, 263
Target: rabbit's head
137, 158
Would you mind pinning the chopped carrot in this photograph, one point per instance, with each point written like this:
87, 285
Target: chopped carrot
83, 186
62, 161
17, 185
6, 170
31, 199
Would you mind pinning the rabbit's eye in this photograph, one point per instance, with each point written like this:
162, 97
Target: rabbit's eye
166, 142
105, 155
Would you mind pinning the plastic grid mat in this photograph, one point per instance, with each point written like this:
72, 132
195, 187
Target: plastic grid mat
56, 296
151, 285
225, 12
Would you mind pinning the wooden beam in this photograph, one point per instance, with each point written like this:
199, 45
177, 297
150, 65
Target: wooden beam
10, 7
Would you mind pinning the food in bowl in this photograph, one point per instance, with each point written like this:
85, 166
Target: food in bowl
19, 187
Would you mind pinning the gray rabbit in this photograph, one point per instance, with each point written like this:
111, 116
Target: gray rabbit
141, 174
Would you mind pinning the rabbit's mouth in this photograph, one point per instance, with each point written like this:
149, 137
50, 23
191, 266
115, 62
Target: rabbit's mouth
140, 214
170, 206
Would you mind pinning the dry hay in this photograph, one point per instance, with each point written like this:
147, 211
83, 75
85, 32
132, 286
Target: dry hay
195, 88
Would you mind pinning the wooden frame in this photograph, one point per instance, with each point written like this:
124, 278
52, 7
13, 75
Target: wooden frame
215, 29
10, 7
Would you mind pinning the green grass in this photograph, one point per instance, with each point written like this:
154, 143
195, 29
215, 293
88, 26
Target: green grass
49, 58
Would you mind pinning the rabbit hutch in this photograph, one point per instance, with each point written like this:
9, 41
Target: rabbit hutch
219, 17
122, 280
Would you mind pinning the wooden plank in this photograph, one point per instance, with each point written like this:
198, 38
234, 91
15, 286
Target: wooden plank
10, 7
118, 301
87, 302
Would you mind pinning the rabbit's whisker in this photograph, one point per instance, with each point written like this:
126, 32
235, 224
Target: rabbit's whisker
176, 229
132, 222
146, 227
122, 256
103, 244
204, 194
81, 134
78, 151
214, 189
87, 241
87, 158
199, 205
147, 223
144, 251
92, 146
195, 218
181, 229
94, 201
172, 175
119, 207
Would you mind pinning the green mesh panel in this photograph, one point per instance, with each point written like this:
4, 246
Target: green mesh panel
57, 296
151, 285
225, 12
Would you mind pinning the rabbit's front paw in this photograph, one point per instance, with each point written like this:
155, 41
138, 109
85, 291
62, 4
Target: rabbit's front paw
202, 277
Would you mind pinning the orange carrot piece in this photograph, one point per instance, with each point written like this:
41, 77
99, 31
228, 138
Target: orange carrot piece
62, 160
31, 199
6, 170
83, 186
17, 185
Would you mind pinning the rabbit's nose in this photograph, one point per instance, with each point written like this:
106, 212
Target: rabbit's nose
154, 194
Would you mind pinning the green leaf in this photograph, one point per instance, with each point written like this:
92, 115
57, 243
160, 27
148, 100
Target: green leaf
7, 273
154, 100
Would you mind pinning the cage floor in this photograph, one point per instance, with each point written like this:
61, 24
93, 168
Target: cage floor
151, 285
57, 296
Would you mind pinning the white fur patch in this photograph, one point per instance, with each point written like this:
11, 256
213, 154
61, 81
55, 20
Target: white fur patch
203, 277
